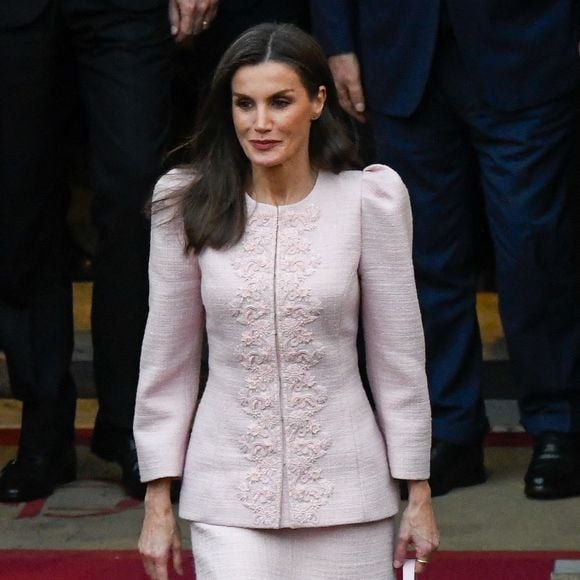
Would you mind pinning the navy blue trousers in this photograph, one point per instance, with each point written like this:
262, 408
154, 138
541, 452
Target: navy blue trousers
521, 159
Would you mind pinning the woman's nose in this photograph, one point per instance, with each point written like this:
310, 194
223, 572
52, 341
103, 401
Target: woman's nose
263, 121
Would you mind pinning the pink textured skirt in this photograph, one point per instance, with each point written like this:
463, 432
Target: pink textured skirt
349, 552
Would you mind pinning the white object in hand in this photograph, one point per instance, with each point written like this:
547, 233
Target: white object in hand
409, 570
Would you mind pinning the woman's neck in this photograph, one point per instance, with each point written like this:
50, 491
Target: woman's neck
281, 185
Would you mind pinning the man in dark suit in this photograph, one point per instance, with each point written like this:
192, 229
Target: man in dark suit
456, 88
119, 51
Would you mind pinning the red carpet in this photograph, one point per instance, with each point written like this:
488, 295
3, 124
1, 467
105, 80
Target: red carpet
125, 565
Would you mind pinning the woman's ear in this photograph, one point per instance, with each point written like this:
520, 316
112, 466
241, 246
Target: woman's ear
318, 102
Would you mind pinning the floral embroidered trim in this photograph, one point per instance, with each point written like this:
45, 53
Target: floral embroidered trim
298, 353
261, 444
305, 398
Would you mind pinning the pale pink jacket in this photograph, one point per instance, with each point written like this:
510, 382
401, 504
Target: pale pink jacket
284, 435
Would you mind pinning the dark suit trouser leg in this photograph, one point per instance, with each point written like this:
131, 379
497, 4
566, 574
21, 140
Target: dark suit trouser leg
36, 330
431, 152
525, 160
123, 72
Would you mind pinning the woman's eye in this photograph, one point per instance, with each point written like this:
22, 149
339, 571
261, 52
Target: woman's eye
243, 104
280, 103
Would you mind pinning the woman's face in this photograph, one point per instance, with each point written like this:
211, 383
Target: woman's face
272, 113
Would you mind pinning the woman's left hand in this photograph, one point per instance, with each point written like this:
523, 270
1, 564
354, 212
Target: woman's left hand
417, 528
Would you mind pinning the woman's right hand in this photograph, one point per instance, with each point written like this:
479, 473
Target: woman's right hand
160, 538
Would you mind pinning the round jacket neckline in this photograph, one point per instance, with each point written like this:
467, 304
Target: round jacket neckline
309, 197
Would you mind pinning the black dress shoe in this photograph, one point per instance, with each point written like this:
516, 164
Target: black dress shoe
30, 476
455, 465
119, 446
554, 470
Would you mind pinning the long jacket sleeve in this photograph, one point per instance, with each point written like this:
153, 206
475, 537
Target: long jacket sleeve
171, 352
394, 342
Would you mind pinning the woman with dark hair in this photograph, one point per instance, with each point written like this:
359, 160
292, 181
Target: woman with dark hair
272, 241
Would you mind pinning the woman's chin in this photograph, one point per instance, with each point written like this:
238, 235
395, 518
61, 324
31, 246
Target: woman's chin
264, 163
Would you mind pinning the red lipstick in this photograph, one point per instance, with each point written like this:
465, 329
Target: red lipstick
263, 145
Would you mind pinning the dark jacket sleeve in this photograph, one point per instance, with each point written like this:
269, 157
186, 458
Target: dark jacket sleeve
333, 24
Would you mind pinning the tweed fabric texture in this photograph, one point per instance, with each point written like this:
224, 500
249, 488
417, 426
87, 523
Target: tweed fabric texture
350, 552
284, 436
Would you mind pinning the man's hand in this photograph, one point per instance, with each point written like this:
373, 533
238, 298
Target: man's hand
189, 17
346, 72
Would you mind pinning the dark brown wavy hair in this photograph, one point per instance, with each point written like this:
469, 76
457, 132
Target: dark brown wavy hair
213, 203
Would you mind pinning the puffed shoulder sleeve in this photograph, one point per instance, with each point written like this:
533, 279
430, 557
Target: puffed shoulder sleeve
394, 342
171, 352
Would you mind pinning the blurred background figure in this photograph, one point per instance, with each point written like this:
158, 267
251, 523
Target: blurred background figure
457, 89
115, 53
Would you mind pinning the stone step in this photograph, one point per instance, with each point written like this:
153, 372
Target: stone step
566, 570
